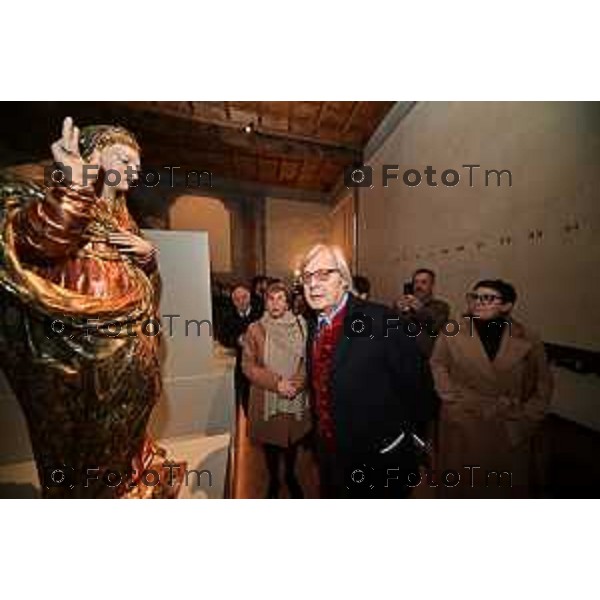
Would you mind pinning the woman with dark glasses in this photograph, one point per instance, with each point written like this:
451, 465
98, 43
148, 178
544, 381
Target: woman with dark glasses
494, 383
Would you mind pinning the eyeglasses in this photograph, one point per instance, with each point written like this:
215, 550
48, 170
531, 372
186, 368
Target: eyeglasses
320, 275
484, 298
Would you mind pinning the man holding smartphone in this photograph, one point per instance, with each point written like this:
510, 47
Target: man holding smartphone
418, 303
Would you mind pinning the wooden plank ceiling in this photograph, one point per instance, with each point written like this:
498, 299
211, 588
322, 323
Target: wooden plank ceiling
299, 145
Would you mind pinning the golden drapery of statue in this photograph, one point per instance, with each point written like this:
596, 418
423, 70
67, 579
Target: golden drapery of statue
79, 323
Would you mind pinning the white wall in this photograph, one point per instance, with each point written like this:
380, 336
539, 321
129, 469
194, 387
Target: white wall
553, 151
342, 226
198, 389
291, 228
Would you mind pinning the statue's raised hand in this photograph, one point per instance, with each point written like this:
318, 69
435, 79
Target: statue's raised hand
66, 153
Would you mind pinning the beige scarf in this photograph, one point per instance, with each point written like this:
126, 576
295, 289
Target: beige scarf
284, 354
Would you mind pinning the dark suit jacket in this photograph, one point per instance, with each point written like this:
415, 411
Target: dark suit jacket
379, 383
233, 326
437, 312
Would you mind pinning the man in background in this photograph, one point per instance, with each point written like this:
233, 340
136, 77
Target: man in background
235, 323
362, 287
418, 303
259, 288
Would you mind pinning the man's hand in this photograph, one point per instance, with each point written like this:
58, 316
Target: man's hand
408, 302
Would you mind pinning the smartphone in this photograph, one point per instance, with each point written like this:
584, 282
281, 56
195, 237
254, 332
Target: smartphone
409, 289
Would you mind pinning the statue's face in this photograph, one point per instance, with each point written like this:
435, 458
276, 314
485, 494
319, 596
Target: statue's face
121, 159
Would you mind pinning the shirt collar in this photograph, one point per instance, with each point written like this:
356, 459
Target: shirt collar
325, 319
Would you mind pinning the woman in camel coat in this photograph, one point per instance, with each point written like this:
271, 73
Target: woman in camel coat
495, 384
273, 360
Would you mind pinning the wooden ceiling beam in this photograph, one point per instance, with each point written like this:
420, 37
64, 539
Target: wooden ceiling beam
258, 129
226, 139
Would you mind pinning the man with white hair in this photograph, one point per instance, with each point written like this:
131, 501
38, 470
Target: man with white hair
367, 380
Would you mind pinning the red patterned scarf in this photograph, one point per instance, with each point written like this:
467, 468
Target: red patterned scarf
323, 352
